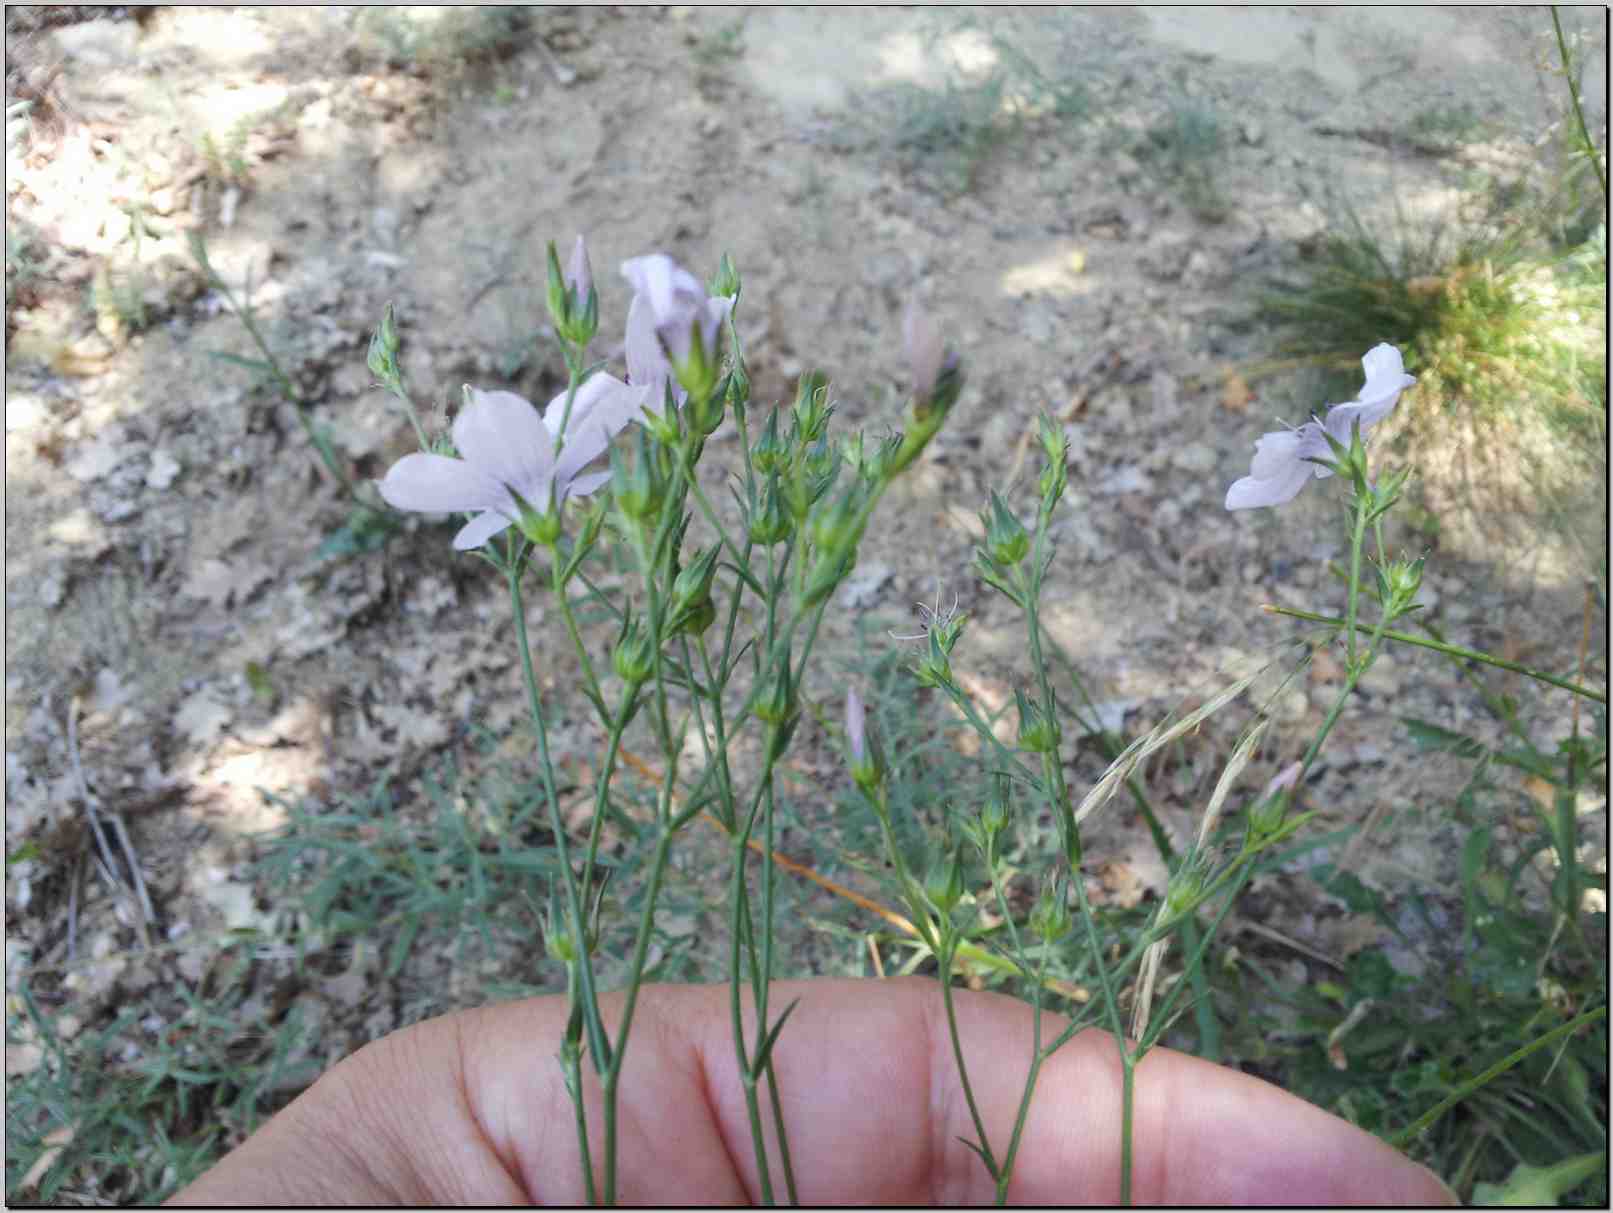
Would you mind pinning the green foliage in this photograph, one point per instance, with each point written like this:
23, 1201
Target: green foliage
1184, 148
440, 39
140, 1106
1510, 953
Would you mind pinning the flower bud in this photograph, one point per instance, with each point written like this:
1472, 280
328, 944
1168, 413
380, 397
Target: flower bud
633, 658
867, 758
935, 667
572, 300
768, 523
1038, 733
739, 387
383, 353
1185, 886
829, 569
636, 483
725, 282
776, 702
691, 608
944, 885
558, 940
770, 454
1266, 817
812, 409
994, 813
1050, 918
1056, 446
1007, 541
836, 528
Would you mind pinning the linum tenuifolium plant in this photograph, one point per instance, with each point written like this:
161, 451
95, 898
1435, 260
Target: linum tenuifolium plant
714, 640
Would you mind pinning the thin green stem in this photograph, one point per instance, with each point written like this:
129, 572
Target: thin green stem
1409, 1134
635, 978
1357, 534
598, 1047
1579, 114
1128, 1066
1450, 650
945, 957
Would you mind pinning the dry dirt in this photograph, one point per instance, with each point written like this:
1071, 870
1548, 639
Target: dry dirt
166, 611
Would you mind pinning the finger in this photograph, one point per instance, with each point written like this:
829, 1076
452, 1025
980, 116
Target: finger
874, 1110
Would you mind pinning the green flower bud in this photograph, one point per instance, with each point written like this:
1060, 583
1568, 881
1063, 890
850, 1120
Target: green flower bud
633, 658
725, 281
994, 813
812, 408
770, 454
1050, 918
934, 668
738, 388
776, 703
1038, 733
1185, 886
836, 527
637, 483
1055, 474
768, 523
1007, 541
1266, 817
829, 569
691, 594
944, 885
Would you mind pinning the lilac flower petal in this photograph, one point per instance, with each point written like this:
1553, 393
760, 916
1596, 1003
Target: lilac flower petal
1252, 492
479, 530
856, 725
603, 408
587, 485
1284, 779
921, 341
579, 274
503, 436
436, 484
646, 360
674, 295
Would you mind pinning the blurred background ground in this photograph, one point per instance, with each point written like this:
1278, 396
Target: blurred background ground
1093, 203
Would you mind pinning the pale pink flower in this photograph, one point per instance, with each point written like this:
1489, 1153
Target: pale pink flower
507, 449
669, 313
1285, 460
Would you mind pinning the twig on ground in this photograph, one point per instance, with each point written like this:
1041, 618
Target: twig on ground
146, 915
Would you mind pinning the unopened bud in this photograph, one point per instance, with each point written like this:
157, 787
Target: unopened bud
725, 281
1038, 732
1007, 541
636, 480
1050, 918
812, 409
867, 759
768, 523
633, 658
770, 454
944, 885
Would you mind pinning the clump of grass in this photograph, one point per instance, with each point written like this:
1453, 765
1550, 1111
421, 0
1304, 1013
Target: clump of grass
1183, 148
438, 38
948, 135
1503, 334
132, 1110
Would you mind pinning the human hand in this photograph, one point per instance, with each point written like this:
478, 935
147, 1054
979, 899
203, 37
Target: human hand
471, 1109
